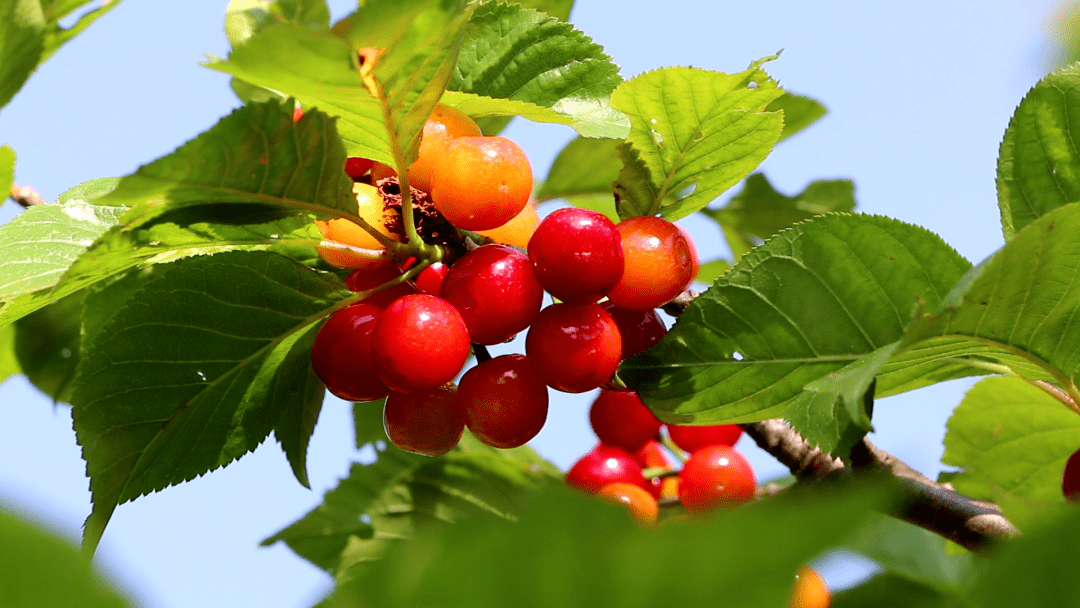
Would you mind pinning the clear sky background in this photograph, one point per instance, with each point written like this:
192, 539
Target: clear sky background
919, 96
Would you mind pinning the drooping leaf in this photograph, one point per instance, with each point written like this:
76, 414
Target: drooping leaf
47, 346
252, 166
1009, 435
583, 168
520, 54
40, 570
575, 551
499, 111
403, 494
812, 300
1039, 160
759, 211
188, 369
799, 112
7, 171
697, 133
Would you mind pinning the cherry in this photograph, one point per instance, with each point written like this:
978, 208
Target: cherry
420, 342
640, 329
494, 289
431, 278
574, 347
660, 263
517, 231
577, 254
653, 455
367, 279
1070, 479
480, 183
603, 465
713, 476
505, 402
641, 504
810, 590
620, 419
444, 124
358, 167
693, 438
342, 354
427, 422
371, 208
297, 113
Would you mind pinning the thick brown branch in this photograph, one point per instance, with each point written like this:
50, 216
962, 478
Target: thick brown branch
928, 504
27, 196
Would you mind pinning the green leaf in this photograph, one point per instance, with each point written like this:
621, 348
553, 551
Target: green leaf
712, 270
39, 245
697, 133
7, 171
190, 367
759, 211
1039, 162
499, 111
30, 33
9, 364
555, 8
253, 163
40, 570
520, 54
799, 112
915, 554
403, 494
47, 346
583, 168
894, 591
573, 550
812, 300
1009, 435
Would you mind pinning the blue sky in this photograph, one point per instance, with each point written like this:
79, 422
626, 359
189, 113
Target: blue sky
919, 97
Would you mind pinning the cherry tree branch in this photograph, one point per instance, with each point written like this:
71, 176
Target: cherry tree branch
26, 196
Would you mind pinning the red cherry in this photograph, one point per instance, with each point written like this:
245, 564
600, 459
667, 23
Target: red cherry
342, 354
577, 254
431, 278
653, 455
505, 402
1070, 479
365, 279
660, 263
640, 329
714, 476
297, 113
494, 289
604, 465
693, 438
574, 347
620, 419
420, 342
427, 422
357, 167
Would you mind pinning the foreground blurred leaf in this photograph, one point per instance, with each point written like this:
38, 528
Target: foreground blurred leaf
894, 591
914, 554
694, 134
47, 346
190, 367
41, 570
1039, 163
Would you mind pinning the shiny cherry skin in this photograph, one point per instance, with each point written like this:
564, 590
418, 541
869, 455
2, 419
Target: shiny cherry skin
371, 208
640, 329
420, 342
641, 504
444, 124
619, 418
480, 183
343, 357
431, 278
494, 289
429, 422
574, 347
810, 590
357, 167
517, 231
372, 278
693, 438
603, 465
715, 476
660, 263
577, 254
1070, 479
505, 402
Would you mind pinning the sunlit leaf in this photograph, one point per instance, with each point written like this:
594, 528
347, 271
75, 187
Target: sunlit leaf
799, 112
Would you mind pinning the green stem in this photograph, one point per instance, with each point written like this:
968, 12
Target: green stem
676, 450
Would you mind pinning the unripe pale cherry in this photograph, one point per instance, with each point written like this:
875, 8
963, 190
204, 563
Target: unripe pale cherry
343, 356
494, 289
429, 422
480, 183
505, 402
444, 124
574, 347
577, 255
660, 263
420, 343
641, 504
370, 207
517, 231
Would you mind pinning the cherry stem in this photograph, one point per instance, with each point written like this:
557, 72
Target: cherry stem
674, 449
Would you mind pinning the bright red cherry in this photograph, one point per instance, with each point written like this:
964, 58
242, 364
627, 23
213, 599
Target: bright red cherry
693, 438
574, 347
358, 167
1070, 479
365, 279
604, 465
431, 278
715, 476
578, 255
427, 422
505, 402
620, 419
640, 329
654, 456
420, 342
660, 263
343, 357
494, 289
